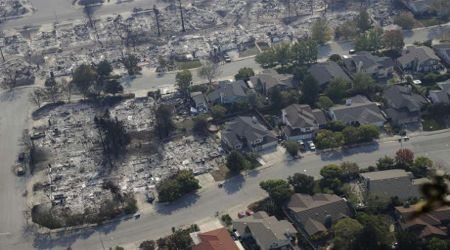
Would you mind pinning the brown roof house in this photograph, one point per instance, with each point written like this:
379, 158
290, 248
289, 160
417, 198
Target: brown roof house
267, 231
315, 214
218, 239
426, 226
301, 122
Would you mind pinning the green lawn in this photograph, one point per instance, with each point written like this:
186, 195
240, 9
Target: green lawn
431, 21
188, 64
430, 124
249, 52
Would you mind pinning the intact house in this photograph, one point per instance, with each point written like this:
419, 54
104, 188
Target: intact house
268, 232
443, 51
358, 111
392, 183
229, 93
218, 239
325, 72
247, 133
425, 226
199, 102
315, 214
301, 122
375, 66
419, 59
403, 106
268, 80
442, 95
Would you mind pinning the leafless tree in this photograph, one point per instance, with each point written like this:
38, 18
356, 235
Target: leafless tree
38, 96
209, 71
10, 76
66, 89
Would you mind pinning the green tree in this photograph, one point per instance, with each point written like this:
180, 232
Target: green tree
351, 135
174, 187
236, 162
393, 39
164, 124
218, 111
363, 21
345, 232
84, 79
363, 83
385, 163
282, 54
375, 234
209, 71
320, 31
368, 133
325, 103
310, 90
408, 241
346, 30
421, 166
113, 87
104, 69
279, 190
244, 74
370, 40
130, 62
405, 20
305, 52
328, 139
184, 81
200, 126
350, 170
292, 148
148, 245
337, 89
437, 244
267, 58
180, 239
331, 171
302, 183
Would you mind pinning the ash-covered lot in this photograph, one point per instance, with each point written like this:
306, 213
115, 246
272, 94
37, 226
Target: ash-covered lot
72, 173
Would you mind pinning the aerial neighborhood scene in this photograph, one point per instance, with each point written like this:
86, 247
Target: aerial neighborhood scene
225, 124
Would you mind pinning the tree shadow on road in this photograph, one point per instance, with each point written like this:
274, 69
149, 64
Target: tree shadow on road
184, 202
233, 184
10, 95
333, 155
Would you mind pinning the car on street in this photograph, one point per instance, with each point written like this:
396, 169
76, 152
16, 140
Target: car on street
227, 58
311, 145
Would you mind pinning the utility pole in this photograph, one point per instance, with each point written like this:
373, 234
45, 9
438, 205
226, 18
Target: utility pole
1, 53
182, 19
157, 19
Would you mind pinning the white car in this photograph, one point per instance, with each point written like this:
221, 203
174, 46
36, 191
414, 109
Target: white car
311, 145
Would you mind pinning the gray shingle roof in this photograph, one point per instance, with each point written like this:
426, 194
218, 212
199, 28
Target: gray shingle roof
367, 61
364, 111
399, 97
234, 89
313, 211
327, 71
271, 78
421, 53
264, 229
246, 129
390, 183
301, 116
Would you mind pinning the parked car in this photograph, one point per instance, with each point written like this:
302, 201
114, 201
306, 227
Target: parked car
311, 146
352, 51
227, 58
249, 212
242, 214
37, 135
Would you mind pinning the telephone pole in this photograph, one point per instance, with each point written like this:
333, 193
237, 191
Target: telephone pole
182, 19
157, 19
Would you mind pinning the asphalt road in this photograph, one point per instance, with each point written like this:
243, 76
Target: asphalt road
14, 110
236, 191
50, 11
